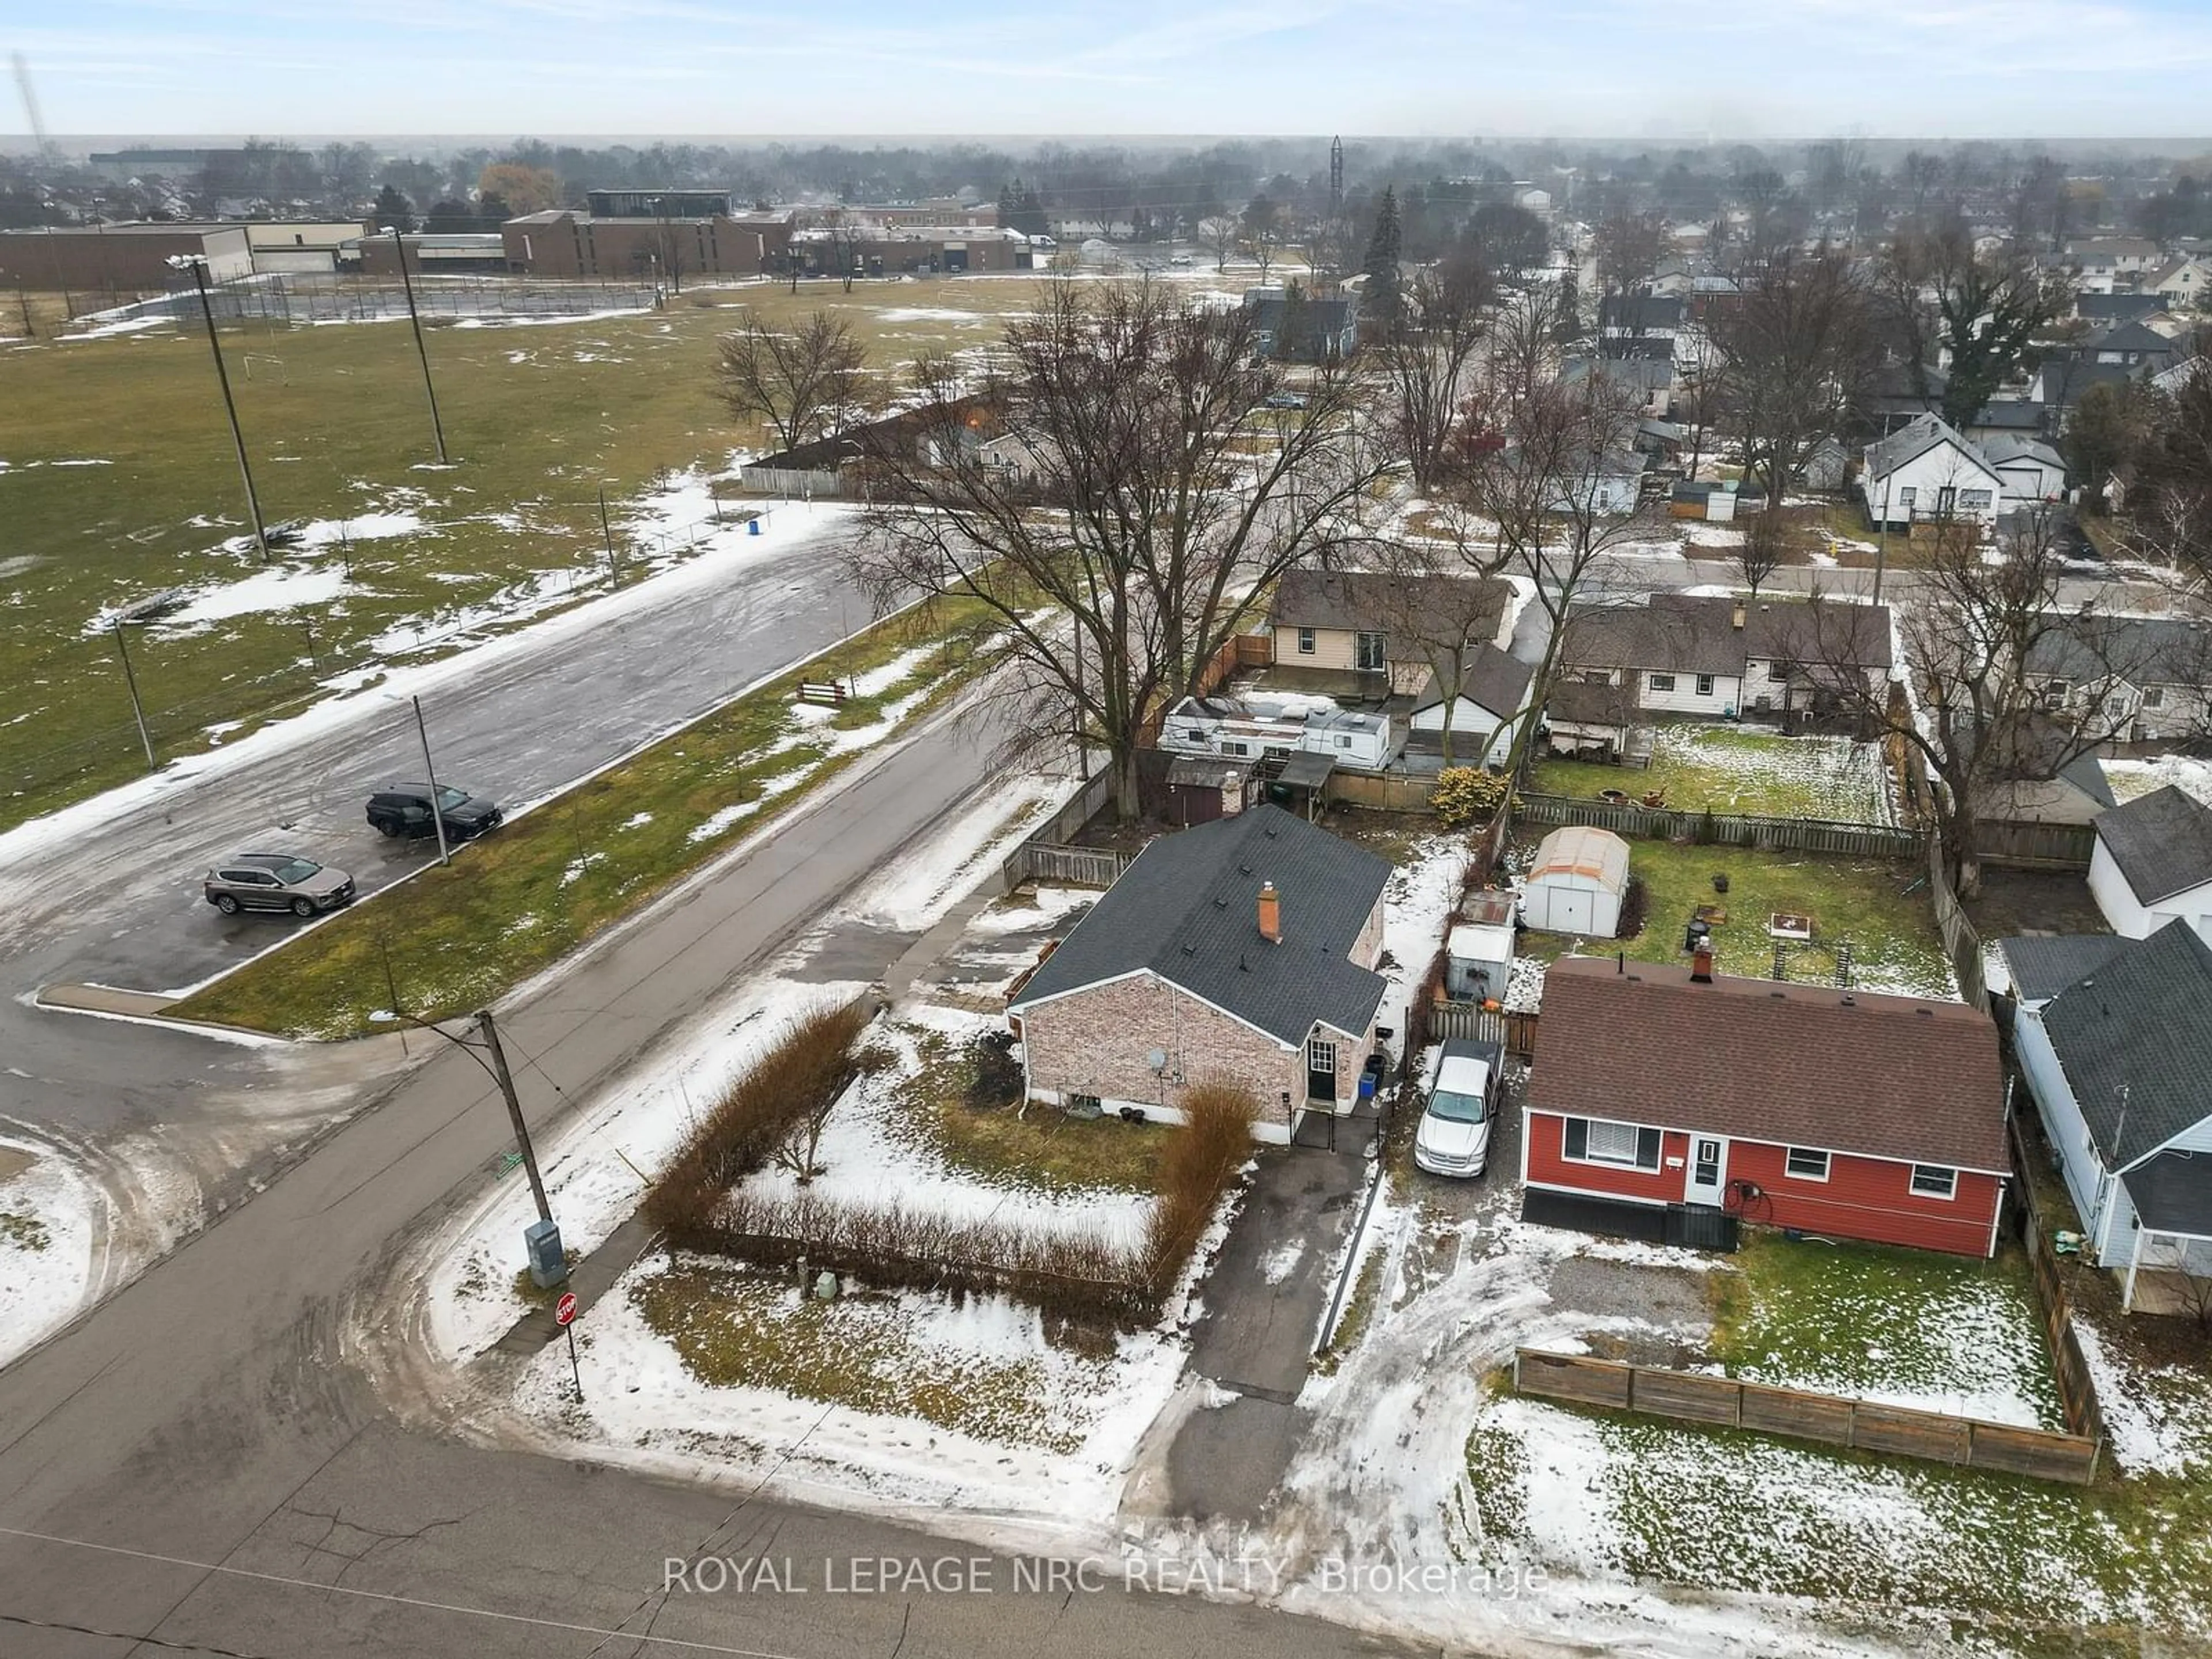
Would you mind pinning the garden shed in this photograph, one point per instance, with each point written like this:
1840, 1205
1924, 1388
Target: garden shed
1576, 883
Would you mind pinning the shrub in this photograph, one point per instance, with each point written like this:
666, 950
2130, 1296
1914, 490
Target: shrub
994, 1076
1202, 1158
1466, 794
1635, 902
806, 1068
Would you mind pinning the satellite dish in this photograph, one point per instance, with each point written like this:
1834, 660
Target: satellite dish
1158, 1059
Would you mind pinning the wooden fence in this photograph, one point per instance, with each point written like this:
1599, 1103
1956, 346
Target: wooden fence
1381, 791
1961, 944
1517, 1033
2077, 1387
1724, 829
1696, 1397
1074, 867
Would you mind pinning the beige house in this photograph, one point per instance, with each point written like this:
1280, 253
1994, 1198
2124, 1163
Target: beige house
1242, 951
1359, 624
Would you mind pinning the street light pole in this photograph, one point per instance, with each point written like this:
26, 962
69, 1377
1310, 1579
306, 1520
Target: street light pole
137, 710
198, 265
430, 775
407, 282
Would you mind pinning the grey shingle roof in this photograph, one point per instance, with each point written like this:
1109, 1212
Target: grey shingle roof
2140, 650
1696, 633
1915, 439
2043, 965
1493, 680
2172, 1194
2135, 1040
1187, 908
2162, 843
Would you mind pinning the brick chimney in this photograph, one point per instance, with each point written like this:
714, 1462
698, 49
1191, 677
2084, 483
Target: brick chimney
1701, 963
1271, 914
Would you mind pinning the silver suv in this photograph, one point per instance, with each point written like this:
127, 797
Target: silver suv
276, 881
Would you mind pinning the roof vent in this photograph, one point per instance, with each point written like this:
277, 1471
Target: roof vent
1779, 996
1220, 902
1925, 1013
1850, 1001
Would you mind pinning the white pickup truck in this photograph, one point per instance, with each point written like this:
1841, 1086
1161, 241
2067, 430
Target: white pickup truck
1465, 1082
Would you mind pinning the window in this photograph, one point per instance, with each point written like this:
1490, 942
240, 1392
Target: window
1594, 1140
2155, 698
1904, 497
1343, 742
1972, 499
2116, 705
1662, 681
1705, 685
1367, 651
1933, 1180
1320, 1056
1305, 642
1234, 746
1805, 1164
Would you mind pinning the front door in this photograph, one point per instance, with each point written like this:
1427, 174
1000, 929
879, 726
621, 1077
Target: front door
1321, 1071
1708, 1169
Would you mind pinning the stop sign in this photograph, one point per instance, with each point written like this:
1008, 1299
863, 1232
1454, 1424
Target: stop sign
565, 1309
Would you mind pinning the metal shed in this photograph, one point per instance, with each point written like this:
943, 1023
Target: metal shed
1576, 883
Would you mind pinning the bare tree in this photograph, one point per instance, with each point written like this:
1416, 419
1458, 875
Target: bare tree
1263, 233
1982, 306
2168, 494
1973, 710
1440, 602
1219, 235
1543, 455
1115, 532
1765, 545
1443, 317
1793, 357
1629, 247
805, 384
842, 240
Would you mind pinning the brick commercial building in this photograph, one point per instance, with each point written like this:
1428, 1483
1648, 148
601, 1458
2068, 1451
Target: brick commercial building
120, 259
625, 247
1240, 951
1669, 1103
943, 250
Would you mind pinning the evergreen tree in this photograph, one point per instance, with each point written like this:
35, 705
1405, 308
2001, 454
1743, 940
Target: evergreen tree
1567, 325
1381, 264
394, 209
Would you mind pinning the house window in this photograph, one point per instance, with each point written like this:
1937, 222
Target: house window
1904, 497
1305, 642
1594, 1140
2116, 705
1367, 651
1705, 685
1972, 499
1662, 681
2155, 698
1321, 1057
1234, 746
1805, 1164
1933, 1180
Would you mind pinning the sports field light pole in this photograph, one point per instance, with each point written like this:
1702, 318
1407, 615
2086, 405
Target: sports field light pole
198, 265
407, 282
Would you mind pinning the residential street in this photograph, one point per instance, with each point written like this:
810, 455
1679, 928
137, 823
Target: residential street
218, 1411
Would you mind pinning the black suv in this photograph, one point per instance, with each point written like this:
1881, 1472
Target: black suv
404, 808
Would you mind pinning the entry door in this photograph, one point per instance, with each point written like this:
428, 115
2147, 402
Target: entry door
1572, 912
1321, 1071
1708, 1169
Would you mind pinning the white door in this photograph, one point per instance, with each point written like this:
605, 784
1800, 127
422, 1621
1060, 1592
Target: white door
1571, 911
1708, 1174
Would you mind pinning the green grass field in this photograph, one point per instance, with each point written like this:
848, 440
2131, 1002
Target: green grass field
1730, 770
1894, 946
539, 419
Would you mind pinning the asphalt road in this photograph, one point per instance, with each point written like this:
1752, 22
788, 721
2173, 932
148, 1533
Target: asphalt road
118, 903
223, 1457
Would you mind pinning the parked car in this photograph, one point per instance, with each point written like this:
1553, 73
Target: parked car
276, 881
404, 808
1286, 400
1466, 1082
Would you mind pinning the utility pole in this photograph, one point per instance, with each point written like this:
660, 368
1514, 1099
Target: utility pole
407, 282
1881, 539
430, 775
137, 711
607, 530
506, 1081
198, 266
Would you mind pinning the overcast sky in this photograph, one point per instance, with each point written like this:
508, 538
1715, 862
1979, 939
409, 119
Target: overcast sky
1632, 68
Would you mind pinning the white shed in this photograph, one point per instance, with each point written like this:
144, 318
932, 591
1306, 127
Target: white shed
1576, 883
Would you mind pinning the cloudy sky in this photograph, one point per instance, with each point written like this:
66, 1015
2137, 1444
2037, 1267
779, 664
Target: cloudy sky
1633, 68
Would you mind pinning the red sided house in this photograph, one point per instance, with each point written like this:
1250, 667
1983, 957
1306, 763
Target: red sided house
1670, 1103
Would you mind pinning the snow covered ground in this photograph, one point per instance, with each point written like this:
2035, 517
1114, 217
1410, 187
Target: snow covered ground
2130, 778
47, 1215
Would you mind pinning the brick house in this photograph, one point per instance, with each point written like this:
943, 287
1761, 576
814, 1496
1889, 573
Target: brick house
1668, 1100
1241, 951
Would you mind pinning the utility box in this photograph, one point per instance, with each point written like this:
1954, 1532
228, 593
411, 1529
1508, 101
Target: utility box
549, 1263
